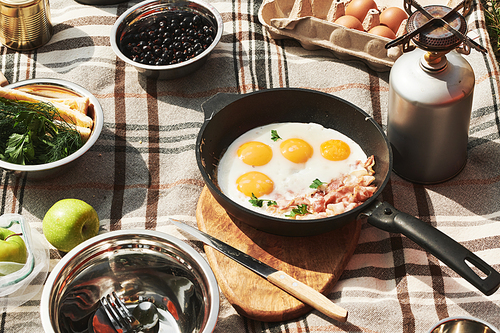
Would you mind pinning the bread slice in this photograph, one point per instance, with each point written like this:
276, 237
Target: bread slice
83, 131
80, 104
66, 112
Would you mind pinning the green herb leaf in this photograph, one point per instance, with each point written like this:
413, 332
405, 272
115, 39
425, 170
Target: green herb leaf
316, 183
300, 210
260, 202
17, 146
29, 133
274, 135
255, 201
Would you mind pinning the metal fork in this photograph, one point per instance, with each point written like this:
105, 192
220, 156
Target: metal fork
118, 314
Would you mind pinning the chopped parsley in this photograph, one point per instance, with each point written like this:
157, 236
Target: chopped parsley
260, 202
274, 135
300, 210
30, 135
316, 183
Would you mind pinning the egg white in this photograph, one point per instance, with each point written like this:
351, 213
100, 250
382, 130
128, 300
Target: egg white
290, 179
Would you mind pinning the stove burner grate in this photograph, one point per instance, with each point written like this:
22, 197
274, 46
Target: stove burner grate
436, 28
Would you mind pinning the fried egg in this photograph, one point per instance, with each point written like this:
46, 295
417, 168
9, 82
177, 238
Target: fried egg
280, 161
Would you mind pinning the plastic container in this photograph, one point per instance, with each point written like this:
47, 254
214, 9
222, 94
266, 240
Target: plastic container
14, 284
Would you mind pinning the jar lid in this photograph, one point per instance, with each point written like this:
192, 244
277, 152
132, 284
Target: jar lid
17, 3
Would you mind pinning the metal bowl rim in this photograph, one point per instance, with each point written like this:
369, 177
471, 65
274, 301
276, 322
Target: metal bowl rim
96, 130
467, 318
212, 285
205, 53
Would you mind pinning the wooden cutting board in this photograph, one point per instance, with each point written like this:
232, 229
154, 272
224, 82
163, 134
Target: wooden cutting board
317, 261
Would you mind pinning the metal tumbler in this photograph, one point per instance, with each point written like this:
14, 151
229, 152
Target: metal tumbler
25, 24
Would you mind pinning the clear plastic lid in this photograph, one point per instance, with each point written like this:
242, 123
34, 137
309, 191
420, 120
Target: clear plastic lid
17, 277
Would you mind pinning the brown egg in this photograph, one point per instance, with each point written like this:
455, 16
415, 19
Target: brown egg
350, 22
382, 31
359, 8
392, 18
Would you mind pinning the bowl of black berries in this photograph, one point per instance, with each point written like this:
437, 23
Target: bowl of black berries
167, 39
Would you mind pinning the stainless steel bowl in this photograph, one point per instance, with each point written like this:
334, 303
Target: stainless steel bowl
137, 264
149, 8
463, 325
49, 170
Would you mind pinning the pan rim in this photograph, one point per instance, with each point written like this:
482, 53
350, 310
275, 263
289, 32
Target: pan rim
357, 211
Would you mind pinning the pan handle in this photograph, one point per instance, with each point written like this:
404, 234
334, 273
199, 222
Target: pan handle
454, 255
217, 102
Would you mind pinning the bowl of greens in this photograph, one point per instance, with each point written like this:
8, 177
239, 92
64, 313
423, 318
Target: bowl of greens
46, 125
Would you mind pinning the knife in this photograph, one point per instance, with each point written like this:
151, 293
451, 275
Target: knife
280, 279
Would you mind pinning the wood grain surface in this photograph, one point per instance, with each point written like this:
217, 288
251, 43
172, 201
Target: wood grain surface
317, 261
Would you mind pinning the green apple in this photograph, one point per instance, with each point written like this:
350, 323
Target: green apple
12, 247
69, 222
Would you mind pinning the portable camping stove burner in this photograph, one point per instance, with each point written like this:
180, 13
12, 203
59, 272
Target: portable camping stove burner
436, 28
431, 90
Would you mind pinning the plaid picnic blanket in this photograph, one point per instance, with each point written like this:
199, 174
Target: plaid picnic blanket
143, 170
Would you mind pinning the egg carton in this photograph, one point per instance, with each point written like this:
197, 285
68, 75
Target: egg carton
311, 22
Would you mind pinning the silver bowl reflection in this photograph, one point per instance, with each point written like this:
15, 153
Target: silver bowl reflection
49, 170
138, 265
147, 10
463, 325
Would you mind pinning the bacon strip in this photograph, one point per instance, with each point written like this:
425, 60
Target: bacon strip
340, 195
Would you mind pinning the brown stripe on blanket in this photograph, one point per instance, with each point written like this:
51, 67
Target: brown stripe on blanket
205, 94
74, 43
20, 198
240, 64
482, 244
400, 274
438, 287
424, 212
87, 20
9, 66
83, 41
233, 39
283, 69
400, 271
120, 147
490, 64
375, 95
349, 86
153, 154
285, 64
3, 320
31, 59
262, 65
17, 197
280, 52
252, 49
3, 175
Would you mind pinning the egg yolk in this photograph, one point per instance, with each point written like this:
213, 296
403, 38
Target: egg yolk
255, 153
254, 182
335, 150
296, 150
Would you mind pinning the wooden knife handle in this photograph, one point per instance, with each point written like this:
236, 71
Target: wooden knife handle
308, 295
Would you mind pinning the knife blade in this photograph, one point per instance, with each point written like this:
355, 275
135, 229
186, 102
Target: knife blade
280, 279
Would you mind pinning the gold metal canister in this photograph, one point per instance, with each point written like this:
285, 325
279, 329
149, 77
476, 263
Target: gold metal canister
25, 24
